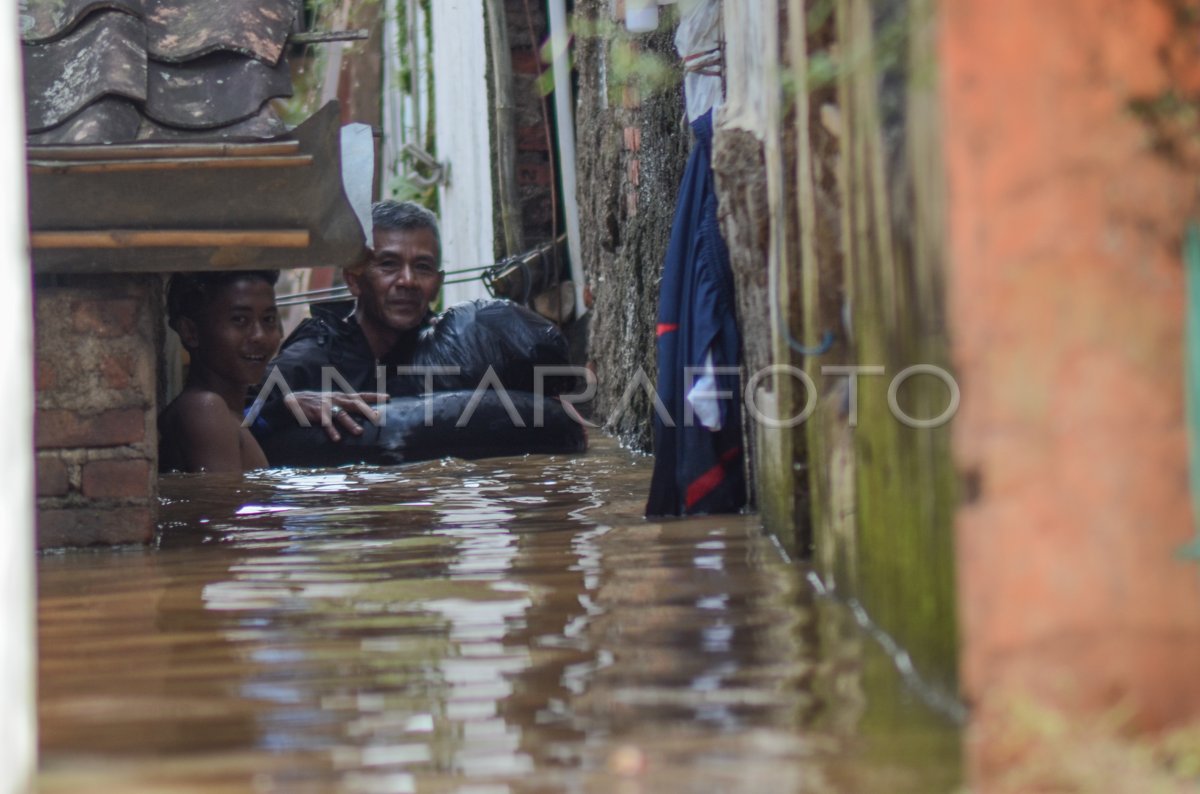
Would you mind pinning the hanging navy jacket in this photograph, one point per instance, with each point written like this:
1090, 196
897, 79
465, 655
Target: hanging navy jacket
696, 469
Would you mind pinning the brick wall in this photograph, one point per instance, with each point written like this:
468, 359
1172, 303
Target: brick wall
527, 30
96, 346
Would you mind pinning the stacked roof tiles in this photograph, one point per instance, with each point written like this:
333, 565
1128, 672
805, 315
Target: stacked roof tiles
118, 71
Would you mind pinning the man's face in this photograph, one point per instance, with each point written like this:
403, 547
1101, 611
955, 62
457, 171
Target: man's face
396, 287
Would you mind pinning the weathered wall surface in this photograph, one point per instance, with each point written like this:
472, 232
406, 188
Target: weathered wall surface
96, 345
754, 161
1066, 301
826, 299
740, 174
839, 245
904, 480
632, 151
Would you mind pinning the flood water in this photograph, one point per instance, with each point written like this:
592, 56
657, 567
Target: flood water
508, 625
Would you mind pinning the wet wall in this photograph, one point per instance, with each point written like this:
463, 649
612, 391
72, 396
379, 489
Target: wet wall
632, 146
1066, 307
838, 266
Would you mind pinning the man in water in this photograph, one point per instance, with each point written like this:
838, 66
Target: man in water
229, 325
394, 289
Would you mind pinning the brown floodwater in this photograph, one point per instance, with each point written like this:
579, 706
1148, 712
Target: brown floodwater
507, 625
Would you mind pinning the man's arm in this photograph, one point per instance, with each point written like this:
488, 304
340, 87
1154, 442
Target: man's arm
299, 365
334, 410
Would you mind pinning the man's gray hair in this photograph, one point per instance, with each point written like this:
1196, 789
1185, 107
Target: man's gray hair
406, 216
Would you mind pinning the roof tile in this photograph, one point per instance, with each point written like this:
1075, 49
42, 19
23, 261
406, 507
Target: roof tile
180, 30
104, 55
213, 91
42, 20
264, 124
111, 119
114, 71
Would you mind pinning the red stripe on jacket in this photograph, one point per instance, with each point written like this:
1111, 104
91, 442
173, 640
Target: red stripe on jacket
703, 485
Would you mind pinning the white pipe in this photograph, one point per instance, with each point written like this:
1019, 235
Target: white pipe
18, 671
564, 114
393, 99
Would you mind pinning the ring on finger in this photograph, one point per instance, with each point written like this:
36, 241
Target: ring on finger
335, 410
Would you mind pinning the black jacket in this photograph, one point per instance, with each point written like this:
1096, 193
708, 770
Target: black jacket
329, 341
465, 341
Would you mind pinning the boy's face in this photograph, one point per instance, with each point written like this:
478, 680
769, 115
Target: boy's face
396, 287
237, 333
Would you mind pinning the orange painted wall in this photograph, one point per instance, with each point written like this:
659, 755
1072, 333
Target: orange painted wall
1066, 299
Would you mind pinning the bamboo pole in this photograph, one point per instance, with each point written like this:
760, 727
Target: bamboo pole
324, 36
171, 238
506, 137
148, 151
181, 164
564, 117
414, 70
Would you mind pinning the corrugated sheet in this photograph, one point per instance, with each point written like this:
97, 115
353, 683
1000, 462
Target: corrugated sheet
181, 66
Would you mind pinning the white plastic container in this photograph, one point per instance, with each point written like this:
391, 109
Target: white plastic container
641, 16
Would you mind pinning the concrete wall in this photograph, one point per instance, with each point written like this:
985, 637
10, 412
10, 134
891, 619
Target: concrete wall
1066, 304
839, 245
462, 109
97, 340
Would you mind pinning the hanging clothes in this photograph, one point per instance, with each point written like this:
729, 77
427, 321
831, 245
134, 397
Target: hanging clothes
698, 452
698, 42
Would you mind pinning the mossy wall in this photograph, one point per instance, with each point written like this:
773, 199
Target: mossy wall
632, 149
883, 493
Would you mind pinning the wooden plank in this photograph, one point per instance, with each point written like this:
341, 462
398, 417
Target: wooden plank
149, 151
181, 164
171, 238
781, 400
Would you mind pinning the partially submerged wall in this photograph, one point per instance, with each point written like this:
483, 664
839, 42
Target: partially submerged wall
96, 347
842, 246
754, 162
904, 480
632, 148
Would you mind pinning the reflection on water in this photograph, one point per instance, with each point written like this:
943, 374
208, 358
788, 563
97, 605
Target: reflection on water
491, 626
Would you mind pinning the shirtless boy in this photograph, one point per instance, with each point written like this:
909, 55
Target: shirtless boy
229, 325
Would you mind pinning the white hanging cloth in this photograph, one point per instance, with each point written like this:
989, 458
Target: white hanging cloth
698, 42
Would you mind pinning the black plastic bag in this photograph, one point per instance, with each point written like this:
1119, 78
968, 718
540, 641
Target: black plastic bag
459, 424
476, 335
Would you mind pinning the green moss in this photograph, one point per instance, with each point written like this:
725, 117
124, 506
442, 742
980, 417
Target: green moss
884, 494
